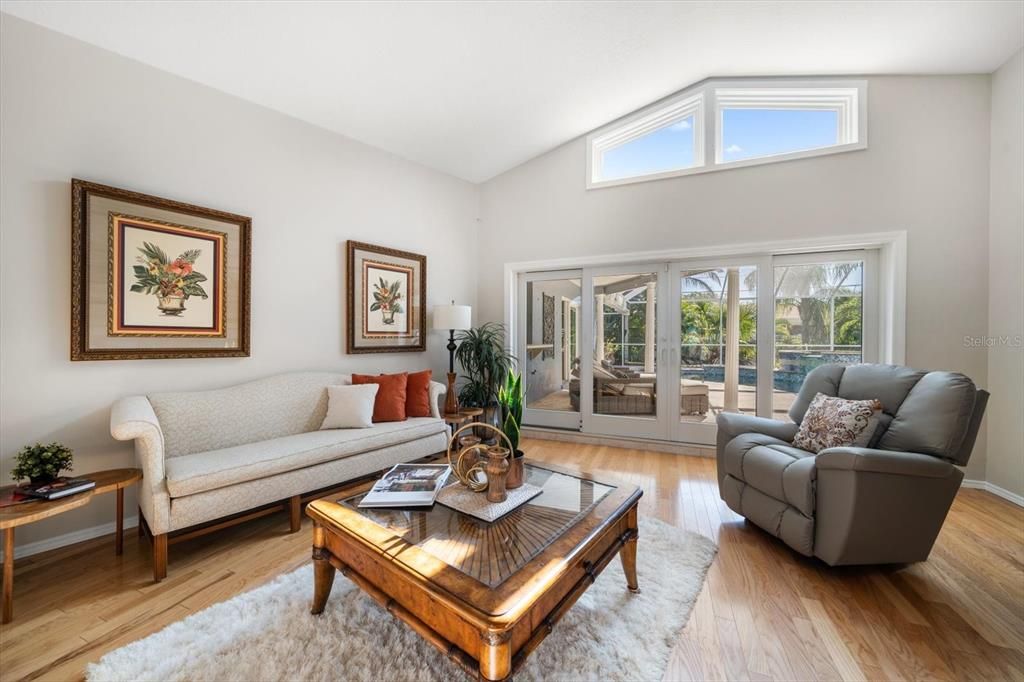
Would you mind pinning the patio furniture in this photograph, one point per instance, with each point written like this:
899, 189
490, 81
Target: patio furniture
613, 395
693, 396
884, 503
625, 392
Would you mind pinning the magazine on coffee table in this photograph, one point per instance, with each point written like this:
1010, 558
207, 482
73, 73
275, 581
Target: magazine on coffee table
407, 485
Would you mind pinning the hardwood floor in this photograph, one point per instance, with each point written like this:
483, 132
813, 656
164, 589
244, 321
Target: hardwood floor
764, 612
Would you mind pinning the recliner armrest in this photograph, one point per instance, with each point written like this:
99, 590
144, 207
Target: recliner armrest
735, 423
883, 462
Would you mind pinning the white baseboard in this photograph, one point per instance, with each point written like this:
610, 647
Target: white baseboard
691, 449
70, 538
994, 489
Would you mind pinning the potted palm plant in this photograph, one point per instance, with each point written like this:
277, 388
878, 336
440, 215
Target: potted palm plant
485, 363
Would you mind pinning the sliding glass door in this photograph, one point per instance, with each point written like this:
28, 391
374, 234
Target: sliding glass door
825, 312
622, 378
548, 348
717, 357
659, 350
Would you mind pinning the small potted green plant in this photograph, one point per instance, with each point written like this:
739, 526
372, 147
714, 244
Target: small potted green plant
510, 396
40, 463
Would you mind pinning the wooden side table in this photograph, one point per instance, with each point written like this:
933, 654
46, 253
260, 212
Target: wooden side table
466, 414
29, 512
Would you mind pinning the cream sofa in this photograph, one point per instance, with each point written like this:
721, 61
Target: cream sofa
207, 455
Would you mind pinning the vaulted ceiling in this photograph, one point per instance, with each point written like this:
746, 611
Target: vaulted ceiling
476, 88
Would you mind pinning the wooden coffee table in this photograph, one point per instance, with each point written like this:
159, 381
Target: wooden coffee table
485, 594
112, 480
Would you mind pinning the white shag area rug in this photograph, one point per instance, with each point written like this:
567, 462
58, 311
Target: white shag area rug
269, 634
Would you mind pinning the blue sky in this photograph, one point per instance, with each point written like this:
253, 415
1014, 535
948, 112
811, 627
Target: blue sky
746, 133
662, 150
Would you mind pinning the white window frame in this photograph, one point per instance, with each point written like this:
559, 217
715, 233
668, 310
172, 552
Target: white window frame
851, 134
847, 96
644, 122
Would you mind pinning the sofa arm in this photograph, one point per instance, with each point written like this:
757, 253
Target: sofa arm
437, 391
133, 418
733, 424
883, 462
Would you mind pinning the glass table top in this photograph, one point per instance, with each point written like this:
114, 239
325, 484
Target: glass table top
491, 552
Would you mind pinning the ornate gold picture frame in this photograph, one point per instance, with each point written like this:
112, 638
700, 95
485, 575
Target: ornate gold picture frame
154, 278
386, 300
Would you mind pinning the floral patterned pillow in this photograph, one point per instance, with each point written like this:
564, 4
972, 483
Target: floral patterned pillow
834, 422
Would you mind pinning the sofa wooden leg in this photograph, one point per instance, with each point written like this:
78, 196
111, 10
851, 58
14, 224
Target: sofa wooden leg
295, 512
159, 557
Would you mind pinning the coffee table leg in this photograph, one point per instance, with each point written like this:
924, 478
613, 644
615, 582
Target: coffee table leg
628, 554
496, 655
119, 539
323, 573
8, 609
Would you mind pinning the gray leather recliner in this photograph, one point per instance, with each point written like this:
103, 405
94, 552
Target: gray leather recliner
884, 503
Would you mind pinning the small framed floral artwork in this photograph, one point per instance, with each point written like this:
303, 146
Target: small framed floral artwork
387, 294
155, 278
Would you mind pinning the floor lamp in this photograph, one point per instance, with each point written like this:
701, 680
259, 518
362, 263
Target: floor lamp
453, 318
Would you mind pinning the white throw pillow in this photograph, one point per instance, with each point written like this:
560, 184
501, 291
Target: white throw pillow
350, 407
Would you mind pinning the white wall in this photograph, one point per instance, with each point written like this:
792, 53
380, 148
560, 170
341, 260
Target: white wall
1006, 280
72, 110
926, 172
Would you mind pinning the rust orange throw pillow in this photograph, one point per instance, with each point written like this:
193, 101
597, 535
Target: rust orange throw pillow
417, 396
389, 405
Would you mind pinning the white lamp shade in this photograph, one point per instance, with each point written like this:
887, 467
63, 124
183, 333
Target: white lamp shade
453, 317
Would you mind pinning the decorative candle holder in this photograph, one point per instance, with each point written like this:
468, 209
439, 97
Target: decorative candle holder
496, 470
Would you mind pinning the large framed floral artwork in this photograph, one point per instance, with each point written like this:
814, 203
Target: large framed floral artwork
155, 278
387, 296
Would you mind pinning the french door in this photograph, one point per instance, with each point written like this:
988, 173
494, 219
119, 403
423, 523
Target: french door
722, 346
548, 324
658, 350
623, 374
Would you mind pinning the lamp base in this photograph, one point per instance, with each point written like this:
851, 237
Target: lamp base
451, 400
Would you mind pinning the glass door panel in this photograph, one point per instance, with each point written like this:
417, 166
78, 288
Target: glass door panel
819, 319
717, 336
622, 366
548, 351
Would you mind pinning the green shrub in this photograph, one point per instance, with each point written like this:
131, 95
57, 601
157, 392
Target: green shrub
42, 461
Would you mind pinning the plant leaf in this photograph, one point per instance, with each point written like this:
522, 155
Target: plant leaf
194, 290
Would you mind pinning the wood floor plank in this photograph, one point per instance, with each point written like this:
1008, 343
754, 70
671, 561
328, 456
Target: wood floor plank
765, 613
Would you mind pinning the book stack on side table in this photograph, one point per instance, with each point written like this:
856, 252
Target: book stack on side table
56, 489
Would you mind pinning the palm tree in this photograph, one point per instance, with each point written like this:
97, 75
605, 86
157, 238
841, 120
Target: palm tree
814, 295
